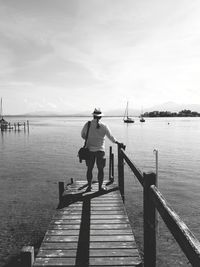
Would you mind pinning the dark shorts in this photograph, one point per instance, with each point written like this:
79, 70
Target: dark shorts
97, 156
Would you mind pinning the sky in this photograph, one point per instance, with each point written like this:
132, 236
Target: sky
67, 56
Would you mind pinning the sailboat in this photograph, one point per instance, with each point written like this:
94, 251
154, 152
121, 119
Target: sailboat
141, 117
3, 123
127, 119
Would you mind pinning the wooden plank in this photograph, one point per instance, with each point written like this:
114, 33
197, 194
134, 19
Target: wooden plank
55, 262
94, 212
94, 208
93, 231
107, 261
93, 216
65, 253
93, 245
70, 221
72, 238
93, 226
115, 261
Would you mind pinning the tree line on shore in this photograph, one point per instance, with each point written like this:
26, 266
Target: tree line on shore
182, 113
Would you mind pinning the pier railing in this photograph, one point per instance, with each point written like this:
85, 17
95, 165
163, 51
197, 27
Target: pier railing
154, 201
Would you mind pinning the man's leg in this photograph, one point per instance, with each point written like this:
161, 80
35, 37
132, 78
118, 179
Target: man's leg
101, 162
90, 165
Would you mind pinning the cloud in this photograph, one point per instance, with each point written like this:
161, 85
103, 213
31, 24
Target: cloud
93, 52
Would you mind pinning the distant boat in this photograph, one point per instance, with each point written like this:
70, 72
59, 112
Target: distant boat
141, 117
127, 119
3, 123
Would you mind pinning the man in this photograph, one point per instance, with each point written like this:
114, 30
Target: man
96, 145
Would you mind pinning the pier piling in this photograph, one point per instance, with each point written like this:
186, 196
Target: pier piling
27, 256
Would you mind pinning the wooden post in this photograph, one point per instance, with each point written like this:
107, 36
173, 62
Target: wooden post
27, 256
149, 222
28, 126
156, 157
110, 164
156, 183
61, 188
121, 171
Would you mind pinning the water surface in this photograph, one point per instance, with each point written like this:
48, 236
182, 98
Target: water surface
32, 163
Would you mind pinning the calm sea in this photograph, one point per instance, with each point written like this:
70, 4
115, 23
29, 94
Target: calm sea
31, 164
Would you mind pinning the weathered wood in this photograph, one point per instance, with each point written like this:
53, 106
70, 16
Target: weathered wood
27, 256
95, 212
149, 222
93, 216
112, 221
123, 238
92, 231
101, 261
65, 253
110, 164
121, 171
96, 208
93, 226
184, 237
93, 245
64, 232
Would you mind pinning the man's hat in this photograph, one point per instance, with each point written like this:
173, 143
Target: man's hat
97, 112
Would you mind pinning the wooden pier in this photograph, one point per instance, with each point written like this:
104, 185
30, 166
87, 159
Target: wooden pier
8, 126
89, 229
16, 126
92, 228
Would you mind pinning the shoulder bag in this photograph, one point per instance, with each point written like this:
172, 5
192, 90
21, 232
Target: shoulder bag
84, 152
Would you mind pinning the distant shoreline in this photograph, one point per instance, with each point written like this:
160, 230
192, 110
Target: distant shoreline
182, 113
87, 116
50, 116
151, 114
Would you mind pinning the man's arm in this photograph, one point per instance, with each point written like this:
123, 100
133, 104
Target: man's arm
84, 131
109, 135
113, 139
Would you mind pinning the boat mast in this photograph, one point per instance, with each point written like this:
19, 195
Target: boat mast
1, 112
126, 111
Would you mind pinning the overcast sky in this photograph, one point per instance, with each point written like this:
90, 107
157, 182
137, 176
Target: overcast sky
74, 55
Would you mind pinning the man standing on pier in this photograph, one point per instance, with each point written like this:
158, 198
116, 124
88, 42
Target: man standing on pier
96, 145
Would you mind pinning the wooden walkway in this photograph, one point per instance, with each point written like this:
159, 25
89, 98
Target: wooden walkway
89, 229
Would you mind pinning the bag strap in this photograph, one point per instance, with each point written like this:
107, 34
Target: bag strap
89, 122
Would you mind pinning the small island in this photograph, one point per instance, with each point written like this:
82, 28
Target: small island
182, 113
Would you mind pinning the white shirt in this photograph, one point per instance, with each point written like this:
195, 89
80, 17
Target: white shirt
96, 136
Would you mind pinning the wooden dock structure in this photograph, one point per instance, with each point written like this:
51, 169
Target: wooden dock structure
89, 229
92, 228
16, 126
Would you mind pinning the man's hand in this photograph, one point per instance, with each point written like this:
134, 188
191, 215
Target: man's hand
121, 145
